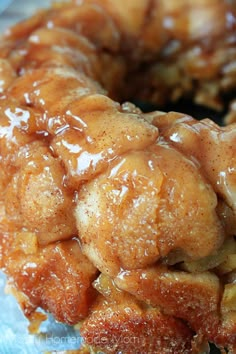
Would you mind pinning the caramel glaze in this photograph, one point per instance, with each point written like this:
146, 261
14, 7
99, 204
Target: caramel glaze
89, 185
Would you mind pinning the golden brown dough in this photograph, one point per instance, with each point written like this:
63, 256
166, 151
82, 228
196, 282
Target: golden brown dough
89, 185
193, 297
56, 277
154, 49
120, 323
165, 206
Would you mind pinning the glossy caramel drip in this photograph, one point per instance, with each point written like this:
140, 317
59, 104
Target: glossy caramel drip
89, 185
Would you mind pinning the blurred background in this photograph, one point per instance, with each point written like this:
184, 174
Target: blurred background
12, 11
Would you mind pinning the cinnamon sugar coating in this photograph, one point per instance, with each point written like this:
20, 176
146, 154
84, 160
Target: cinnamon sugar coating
89, 185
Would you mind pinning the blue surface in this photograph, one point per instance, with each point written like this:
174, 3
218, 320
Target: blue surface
14, 336
4, 4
